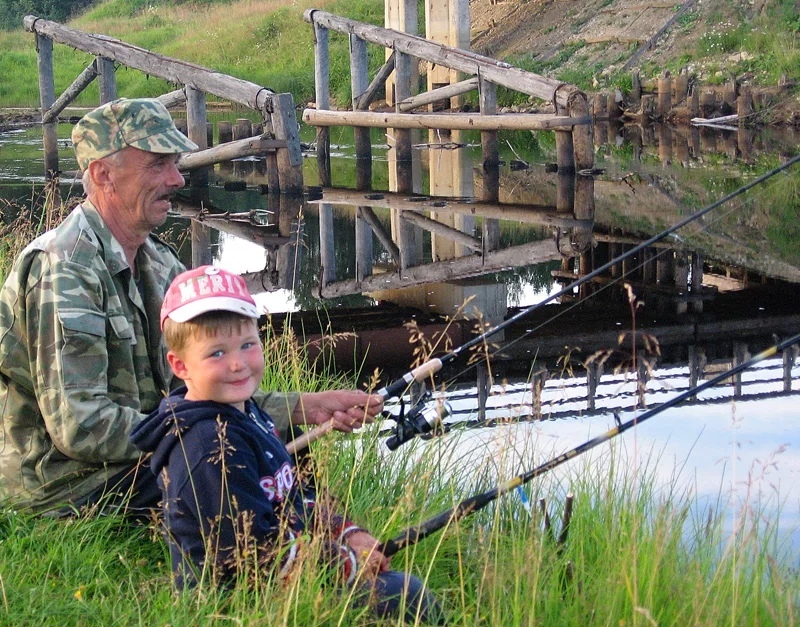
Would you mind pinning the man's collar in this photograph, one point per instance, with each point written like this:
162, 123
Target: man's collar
112, 251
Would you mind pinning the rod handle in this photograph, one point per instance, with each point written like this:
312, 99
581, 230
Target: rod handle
301, 442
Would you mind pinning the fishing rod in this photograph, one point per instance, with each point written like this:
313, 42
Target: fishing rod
423, 421
475, 503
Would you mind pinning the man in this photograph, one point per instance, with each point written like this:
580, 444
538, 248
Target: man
82, 360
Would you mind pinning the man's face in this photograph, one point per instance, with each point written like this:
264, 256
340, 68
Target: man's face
226, 367
142, 185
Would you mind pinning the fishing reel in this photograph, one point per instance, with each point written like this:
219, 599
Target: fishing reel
425, 416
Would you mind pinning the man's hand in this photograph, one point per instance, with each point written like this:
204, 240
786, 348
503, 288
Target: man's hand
346, 409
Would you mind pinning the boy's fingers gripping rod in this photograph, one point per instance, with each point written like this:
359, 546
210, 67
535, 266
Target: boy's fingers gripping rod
418, 374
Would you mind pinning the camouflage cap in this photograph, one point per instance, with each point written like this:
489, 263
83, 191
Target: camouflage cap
143, 123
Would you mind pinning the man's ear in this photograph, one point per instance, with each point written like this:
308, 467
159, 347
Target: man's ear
178, 365
99, 173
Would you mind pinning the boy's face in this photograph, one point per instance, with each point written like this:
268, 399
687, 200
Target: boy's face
226, 367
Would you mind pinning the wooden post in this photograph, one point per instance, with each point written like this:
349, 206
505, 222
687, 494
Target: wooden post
636, 87
290, 159
664, 94
744, 106
323, 102
565, 151
402, 147
707, 103
490, 150
680, 87
224, 132
664, 144
106, 79
359, 81
78, 85
196, 122
327, 251
47, 96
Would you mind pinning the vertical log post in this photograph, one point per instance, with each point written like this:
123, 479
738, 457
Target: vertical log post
664, 95
289, 159
565, 152
47, 96
402, 87
359, 81
323, 102
490, 150
106, 79
196, 123
327, 251
582, 157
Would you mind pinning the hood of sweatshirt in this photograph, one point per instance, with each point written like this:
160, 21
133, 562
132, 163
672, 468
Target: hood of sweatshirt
159, 432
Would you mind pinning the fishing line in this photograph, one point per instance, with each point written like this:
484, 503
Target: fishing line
601, 288
468, 506
422, 372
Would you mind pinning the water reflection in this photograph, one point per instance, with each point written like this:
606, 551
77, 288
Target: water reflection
363, 264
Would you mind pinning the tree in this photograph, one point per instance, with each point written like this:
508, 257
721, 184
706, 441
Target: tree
13, 11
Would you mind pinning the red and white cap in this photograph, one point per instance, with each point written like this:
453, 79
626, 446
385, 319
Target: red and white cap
204, 289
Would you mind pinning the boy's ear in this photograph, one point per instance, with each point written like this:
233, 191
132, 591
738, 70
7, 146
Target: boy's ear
178, 365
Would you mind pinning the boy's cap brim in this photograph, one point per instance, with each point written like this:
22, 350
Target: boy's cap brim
186, 312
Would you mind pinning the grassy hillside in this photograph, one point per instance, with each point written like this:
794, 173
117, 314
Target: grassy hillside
267, 42
264, 42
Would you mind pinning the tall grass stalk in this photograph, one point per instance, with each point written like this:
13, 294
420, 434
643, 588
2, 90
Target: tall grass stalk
495, 568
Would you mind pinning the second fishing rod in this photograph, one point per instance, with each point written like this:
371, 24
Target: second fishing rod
423, 420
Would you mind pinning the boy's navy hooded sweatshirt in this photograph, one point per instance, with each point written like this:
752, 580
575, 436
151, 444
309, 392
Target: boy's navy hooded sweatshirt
225, 475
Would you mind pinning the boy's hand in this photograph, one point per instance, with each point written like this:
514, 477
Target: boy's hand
346, 409
370, 560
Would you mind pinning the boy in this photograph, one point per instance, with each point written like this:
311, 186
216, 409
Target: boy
230, 492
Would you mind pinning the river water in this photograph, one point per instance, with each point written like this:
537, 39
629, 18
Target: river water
721, 290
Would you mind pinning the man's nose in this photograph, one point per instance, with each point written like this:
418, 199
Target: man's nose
176, 178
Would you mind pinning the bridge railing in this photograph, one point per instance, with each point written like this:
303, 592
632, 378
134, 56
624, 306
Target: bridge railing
280, 142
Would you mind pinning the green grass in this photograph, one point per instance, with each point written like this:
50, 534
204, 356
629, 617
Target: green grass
631, 560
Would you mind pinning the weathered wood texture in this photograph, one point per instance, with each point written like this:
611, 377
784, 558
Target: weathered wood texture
490, 69
277, 109
528, 214
448, 270
455, 121
172, 70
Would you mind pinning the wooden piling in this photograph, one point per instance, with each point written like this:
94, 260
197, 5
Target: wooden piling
402, 137
680, 87
107, 80
707, 103
490, 151
242, 129
323, 101
196, 120
224, 132
289, 160
47, 96
359, 81
744, 106
664, 95
78, 85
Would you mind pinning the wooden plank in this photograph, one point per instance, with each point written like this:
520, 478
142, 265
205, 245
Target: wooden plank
70, 93
358, 84
171, 70
435, 95
231, 150
497, 72
449, 270
47, 96
196, 119
323, 101
528, 214
107, 79
290, 158
455, 121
